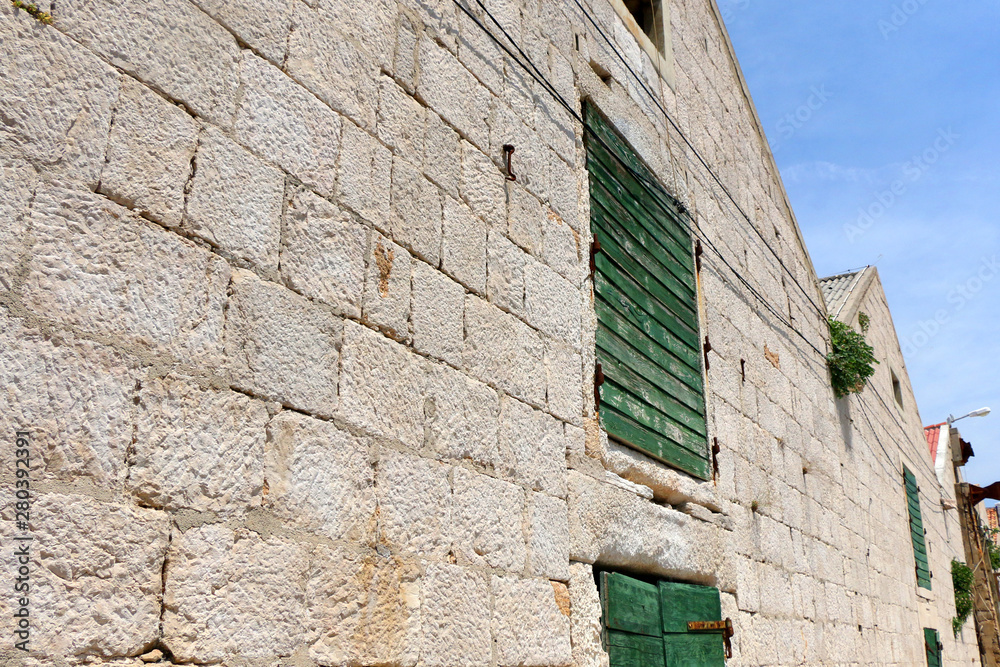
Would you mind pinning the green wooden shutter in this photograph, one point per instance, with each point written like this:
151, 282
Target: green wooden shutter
917, 530
645, 625
631, 621
680, 603
932, 644
648, 342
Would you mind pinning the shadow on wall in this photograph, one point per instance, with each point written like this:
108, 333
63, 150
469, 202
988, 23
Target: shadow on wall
844, 412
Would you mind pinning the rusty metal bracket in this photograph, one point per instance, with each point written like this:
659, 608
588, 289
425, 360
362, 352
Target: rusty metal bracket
598, 381
978, 494
595, 247
706, 349
725, 627
508, 151
715, 458
698, 250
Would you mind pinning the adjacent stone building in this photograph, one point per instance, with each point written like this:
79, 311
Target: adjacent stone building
305, 329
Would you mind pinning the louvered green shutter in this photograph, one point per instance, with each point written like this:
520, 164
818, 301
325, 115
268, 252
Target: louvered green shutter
932, 644
917, 529
631, 621
648, 343
645, 625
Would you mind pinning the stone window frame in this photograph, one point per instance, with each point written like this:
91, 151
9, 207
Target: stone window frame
663, 62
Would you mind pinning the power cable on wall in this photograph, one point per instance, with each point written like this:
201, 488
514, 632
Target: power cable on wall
528, 66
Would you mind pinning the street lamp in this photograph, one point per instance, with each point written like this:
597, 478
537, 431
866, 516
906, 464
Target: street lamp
981, 412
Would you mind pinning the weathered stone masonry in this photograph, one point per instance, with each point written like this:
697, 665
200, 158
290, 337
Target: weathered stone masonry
310, 382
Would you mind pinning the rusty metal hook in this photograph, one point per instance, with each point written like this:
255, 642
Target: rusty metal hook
508, 150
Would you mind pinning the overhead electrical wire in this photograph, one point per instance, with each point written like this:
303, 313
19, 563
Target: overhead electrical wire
540, 78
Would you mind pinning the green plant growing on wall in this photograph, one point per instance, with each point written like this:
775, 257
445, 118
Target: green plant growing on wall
852, 360
961, 578
993, 549
33, 10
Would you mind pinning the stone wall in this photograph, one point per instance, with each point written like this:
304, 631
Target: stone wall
308, 382
884, 435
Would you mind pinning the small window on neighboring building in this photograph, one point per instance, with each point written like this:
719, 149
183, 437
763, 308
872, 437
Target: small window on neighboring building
649, 15
897, 389
917, 536
647, 623
649, 23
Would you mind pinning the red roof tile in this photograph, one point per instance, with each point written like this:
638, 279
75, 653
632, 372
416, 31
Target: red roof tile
933, 435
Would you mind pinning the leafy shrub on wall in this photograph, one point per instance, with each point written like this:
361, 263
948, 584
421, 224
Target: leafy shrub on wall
961, 578
852, 360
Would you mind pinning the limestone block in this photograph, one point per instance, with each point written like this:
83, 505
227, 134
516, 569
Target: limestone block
326, 62
285, 124
667, 484
364, 175
502, 350
551, 302
463, 247
56, 101
555, 126
437, 314
487, 521
620, 529
564, 374
415, 219
404, 55
525, 219
197, 449
323, 252
564, 193
371, 25
281, 346
455, 617
74, 398
21, 179
414, 501
585, 620
548, 541
453, 92
401, 121
386, 302
263, 28
232, 592
532, 449
442, 160
479, 53
97, 267
382, 386
482, 186
505, 273
461, 417
530, 629
320, 478
362, 609
561, 249
149, 154
507, 127
95, 585
235, 201
168, 44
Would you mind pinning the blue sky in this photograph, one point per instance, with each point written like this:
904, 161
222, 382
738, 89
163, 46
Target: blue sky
885, 122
